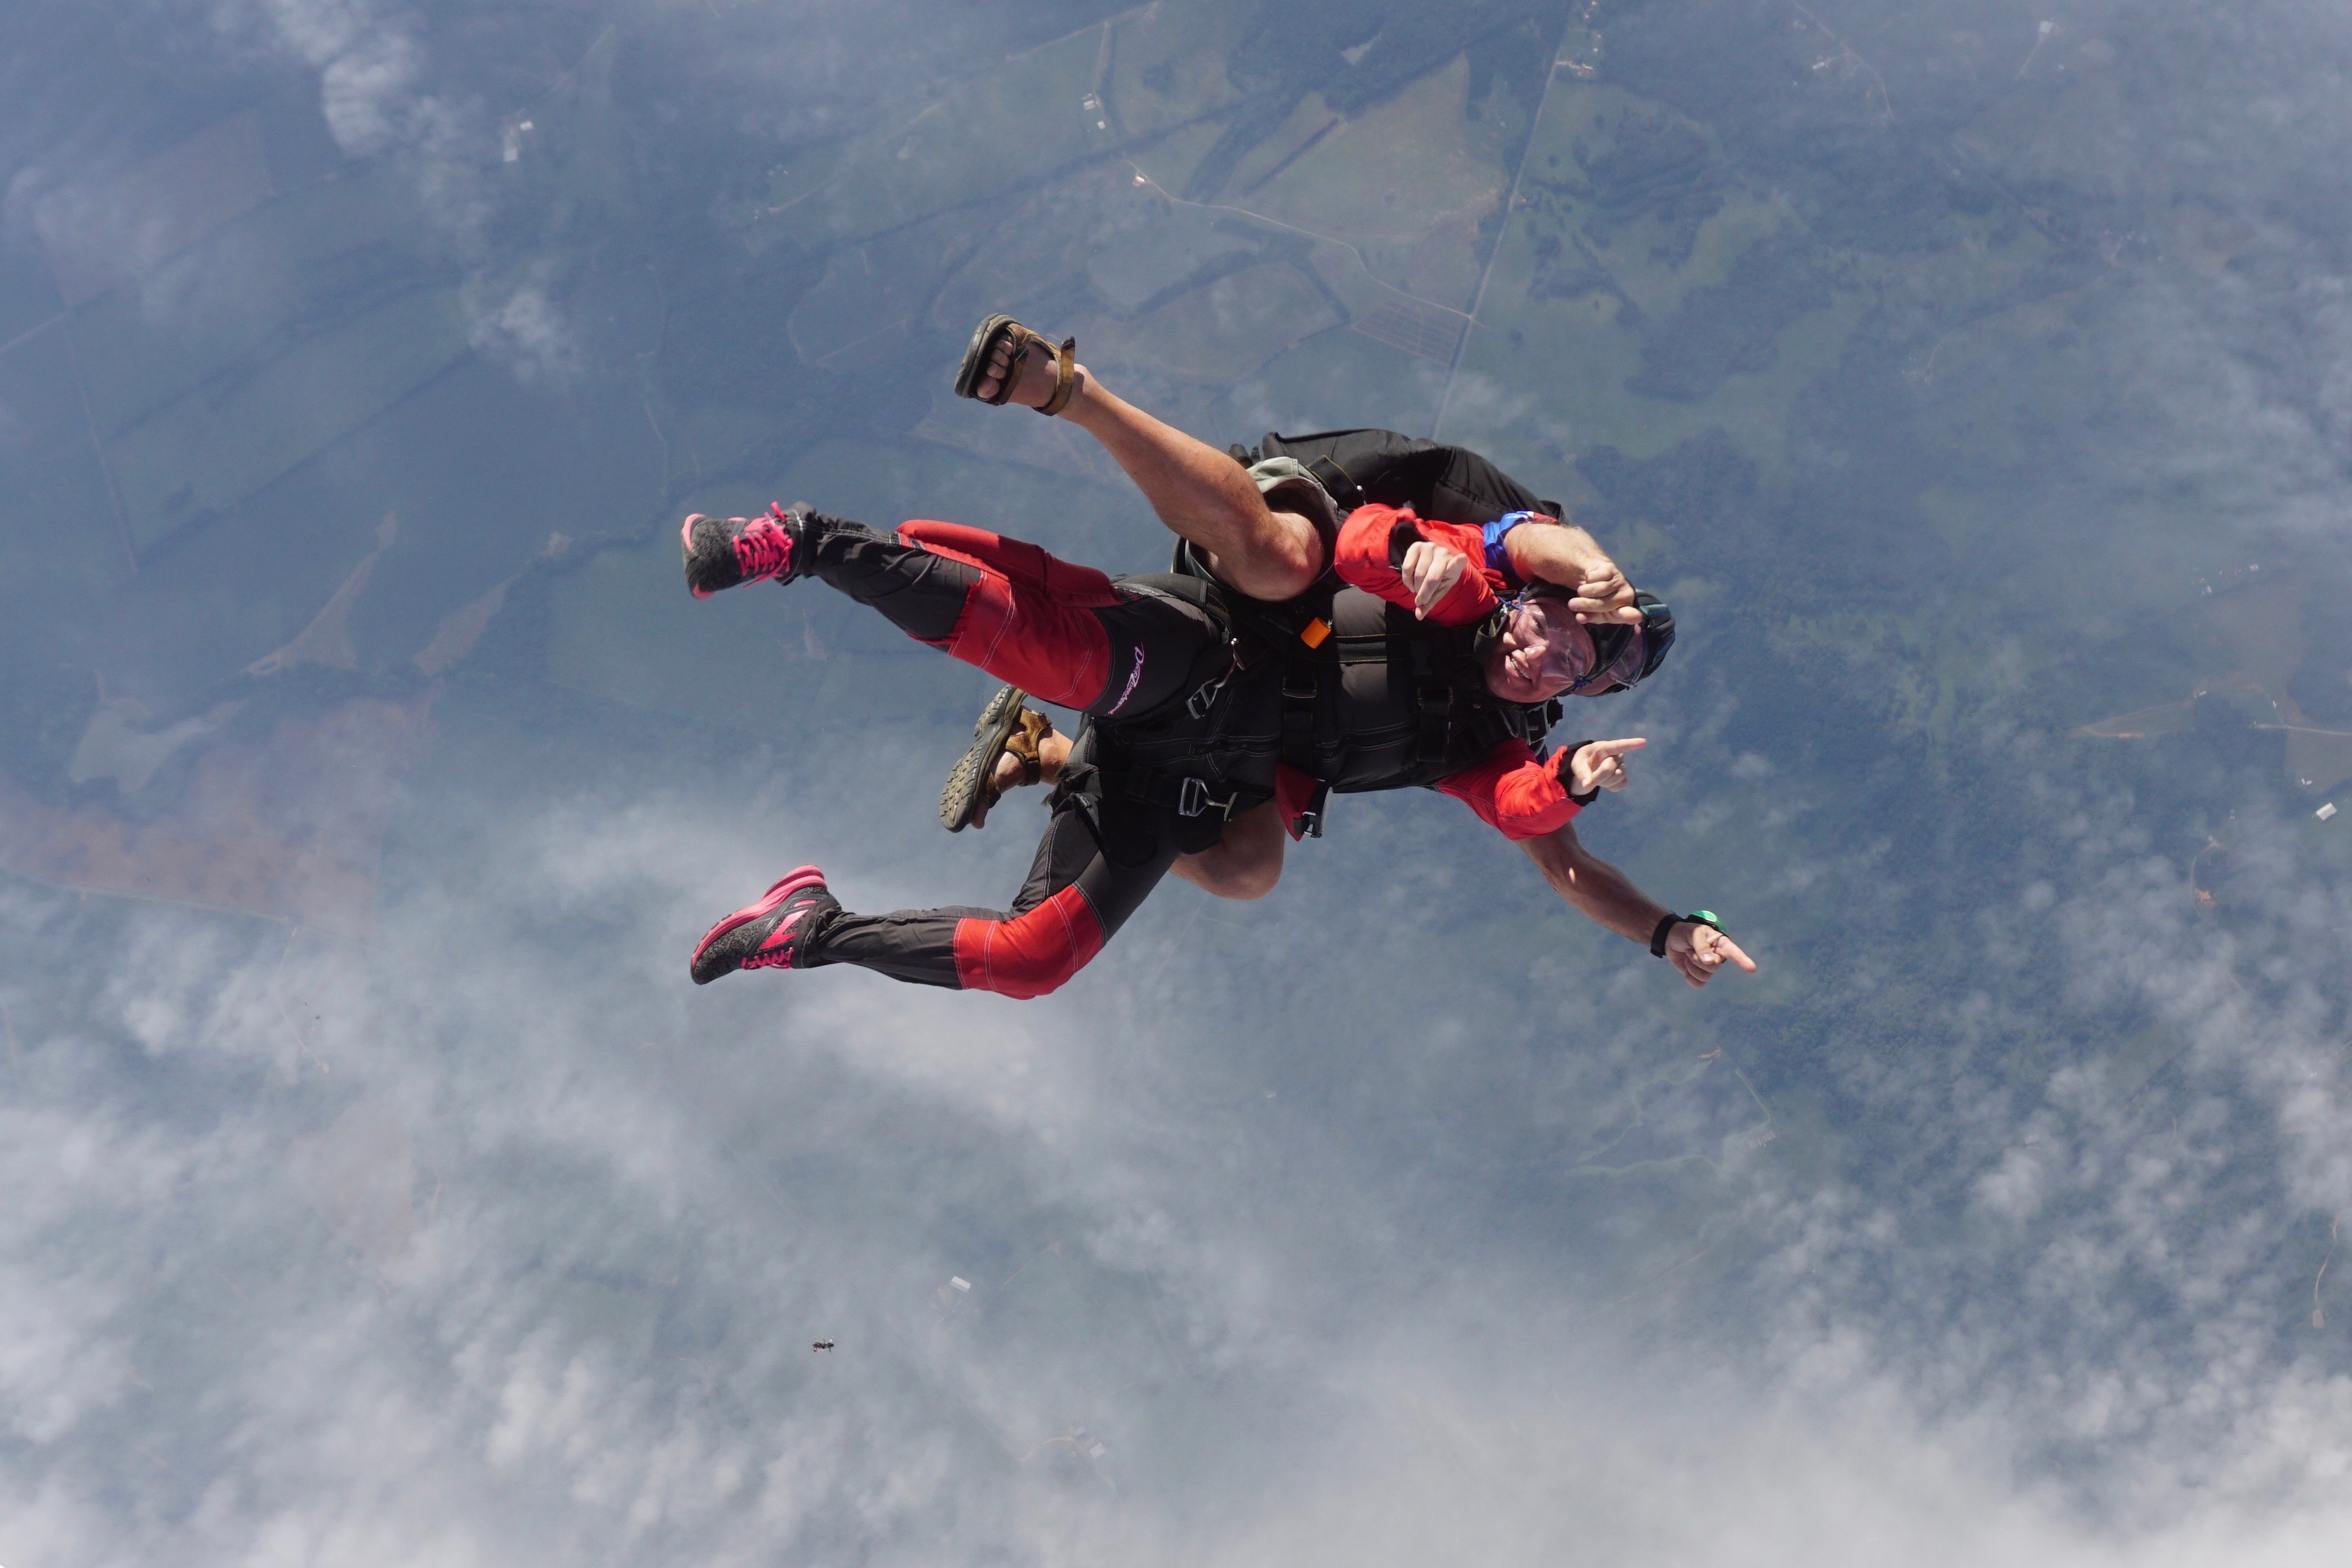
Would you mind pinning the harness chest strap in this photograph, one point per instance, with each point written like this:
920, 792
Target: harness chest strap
1297, 637
1183, 794
1456, 717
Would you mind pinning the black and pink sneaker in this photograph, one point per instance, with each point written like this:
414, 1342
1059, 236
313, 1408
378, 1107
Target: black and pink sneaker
725, 553
771, 934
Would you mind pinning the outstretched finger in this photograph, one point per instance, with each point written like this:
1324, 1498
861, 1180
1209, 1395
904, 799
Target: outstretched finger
1724, 946
1617, 748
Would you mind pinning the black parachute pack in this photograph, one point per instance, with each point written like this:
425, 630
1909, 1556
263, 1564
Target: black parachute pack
1444, 484
1368, 696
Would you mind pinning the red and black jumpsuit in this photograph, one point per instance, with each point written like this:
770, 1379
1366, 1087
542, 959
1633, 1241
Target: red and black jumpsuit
1131, 657
1115, 650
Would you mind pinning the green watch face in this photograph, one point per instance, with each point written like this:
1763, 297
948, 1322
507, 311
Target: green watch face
1709, 916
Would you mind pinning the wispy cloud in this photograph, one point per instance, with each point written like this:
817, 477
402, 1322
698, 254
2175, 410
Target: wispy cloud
633, 1205
1307, 1233
381, 96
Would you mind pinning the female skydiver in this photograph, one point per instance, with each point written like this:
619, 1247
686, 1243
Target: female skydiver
1185, 726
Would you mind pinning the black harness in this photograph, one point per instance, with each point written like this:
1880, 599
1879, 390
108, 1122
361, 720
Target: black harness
1442, 671
1358, 695
1350, 690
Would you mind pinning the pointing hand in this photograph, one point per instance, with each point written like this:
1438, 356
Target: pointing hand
1698, 950
1600, 764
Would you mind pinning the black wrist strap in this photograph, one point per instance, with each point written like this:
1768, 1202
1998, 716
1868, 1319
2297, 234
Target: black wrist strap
1667, 923
1567, 776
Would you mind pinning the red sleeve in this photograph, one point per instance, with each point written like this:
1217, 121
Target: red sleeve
1515, 793
1374, 536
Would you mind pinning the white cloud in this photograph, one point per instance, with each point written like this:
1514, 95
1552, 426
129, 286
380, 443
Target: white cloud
378, 94
371, 60
1319, 1268
644, 1200
521, 324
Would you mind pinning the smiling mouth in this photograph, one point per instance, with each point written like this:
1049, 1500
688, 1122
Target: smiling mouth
1551, 660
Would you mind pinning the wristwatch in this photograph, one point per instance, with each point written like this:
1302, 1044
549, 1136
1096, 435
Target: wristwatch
1696, 917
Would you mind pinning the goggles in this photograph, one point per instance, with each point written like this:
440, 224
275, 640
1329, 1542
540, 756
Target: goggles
1622, 655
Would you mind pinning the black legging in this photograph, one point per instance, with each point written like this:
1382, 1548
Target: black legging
1104, 647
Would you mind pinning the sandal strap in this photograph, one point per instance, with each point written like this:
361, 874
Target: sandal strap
1066, 375
1022, 745
997, 331
1025, 743
1017, 339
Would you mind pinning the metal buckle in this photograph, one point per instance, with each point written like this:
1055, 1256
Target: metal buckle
1310, 816
1194, 799
1205, 697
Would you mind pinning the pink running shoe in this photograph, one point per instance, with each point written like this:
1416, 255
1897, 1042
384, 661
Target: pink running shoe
725, 553
770, 934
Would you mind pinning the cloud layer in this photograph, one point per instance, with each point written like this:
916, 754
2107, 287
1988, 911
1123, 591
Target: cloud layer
1401, 1218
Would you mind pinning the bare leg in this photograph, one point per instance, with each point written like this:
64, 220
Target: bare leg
1245, 864
1198, 491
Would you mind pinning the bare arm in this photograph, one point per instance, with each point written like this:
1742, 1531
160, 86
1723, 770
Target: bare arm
1592, 886
1604, 895
1563, 553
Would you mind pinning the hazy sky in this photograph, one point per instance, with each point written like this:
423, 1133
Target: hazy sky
384, 1193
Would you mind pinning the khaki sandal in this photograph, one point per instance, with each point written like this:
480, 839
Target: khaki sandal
998, 329
1005, 728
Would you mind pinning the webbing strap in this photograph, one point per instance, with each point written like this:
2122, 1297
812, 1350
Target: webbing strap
1301, 691
1065, 376
1183, 795
1433, 706
1311, 818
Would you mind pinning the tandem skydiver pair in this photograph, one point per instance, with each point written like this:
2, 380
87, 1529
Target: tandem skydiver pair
1352, 612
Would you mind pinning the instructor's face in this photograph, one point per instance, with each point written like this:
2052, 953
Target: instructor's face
1541, 653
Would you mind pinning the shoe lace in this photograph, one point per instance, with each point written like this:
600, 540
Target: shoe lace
766, 552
